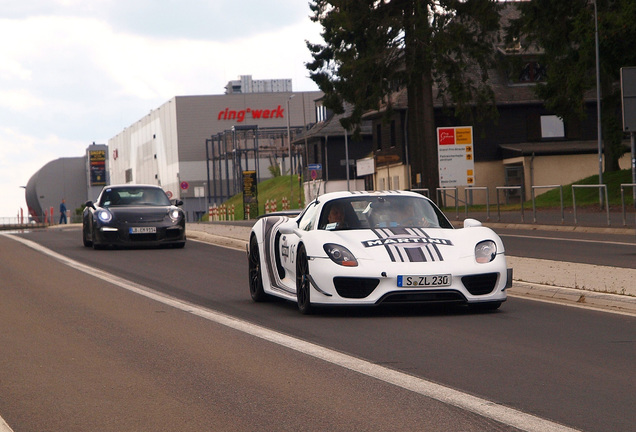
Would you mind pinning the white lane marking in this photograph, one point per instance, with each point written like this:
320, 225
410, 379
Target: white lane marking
567, 239
4, 427
482, 407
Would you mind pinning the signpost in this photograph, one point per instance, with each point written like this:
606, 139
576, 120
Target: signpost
250, 194
456, 156
97, 165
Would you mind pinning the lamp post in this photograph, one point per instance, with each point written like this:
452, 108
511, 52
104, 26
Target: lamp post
598, 107
291, 167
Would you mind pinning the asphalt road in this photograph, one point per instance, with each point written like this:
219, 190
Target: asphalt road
607, 249
85, 353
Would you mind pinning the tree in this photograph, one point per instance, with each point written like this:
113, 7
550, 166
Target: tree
373, 47
566, 33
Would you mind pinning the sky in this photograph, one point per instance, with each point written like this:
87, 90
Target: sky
74, 72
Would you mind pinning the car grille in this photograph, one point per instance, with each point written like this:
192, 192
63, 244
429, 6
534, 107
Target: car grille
480, 284
143, 237
358, 288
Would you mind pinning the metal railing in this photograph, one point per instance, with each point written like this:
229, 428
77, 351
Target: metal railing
474, 188
498, 188
599, 187
442, 198
623, 186
534, 206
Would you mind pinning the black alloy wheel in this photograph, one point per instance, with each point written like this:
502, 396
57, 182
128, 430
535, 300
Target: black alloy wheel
85, 240
254, 272
303, 286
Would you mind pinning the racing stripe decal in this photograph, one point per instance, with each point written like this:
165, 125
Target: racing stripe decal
381, 235
399, 244
430, 247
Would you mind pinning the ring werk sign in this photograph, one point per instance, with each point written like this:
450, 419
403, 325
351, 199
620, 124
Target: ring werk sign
256, 114
455, 153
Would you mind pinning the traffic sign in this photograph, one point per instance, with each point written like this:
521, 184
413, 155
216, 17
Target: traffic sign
455, 149
184, 185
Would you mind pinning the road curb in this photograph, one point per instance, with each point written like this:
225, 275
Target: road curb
575, 297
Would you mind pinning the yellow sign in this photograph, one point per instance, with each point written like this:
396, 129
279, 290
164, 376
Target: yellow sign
464, 136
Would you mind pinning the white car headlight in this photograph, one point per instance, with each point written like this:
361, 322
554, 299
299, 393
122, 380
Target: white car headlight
174, 214
340, 255
485, 251
104, 216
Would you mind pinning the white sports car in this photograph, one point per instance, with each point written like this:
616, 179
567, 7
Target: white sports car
368, 248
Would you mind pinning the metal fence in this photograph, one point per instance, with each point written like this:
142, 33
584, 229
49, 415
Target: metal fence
448, 198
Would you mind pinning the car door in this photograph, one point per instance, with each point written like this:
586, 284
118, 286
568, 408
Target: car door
290, 241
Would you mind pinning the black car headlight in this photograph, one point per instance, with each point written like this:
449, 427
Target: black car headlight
340, 255
174, 214
485, 251
104, 216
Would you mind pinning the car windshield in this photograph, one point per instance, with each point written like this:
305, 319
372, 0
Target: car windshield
386, 211
138, 196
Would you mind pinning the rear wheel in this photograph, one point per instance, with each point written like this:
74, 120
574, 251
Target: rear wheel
303, 286
254, 271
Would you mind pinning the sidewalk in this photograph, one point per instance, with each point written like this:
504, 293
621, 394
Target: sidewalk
602, 287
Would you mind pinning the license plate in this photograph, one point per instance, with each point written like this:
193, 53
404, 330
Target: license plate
142, 230
424, 281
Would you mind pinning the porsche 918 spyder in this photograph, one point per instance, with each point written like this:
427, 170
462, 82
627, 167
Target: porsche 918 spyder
133, 215
371, 248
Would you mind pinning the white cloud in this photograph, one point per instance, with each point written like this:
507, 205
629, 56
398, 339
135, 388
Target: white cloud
73, 72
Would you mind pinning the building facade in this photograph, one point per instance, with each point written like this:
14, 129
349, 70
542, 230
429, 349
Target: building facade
75, 180
194, 147
245, 84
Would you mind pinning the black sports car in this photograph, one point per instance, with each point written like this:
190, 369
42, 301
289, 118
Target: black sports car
133, 215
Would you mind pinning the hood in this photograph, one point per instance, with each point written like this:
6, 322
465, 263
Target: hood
412, 244
133, 214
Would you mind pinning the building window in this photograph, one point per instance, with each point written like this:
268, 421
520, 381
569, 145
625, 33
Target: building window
129, 178
552, 127
378, 134
321, 113
532, 71
382, 183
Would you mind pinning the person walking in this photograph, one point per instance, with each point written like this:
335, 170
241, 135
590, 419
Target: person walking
63, 212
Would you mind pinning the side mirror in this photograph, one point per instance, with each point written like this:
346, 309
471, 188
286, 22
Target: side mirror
178, 202
471, 223
290, 227
90, 204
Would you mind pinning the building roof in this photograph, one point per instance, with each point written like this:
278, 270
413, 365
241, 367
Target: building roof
332, 127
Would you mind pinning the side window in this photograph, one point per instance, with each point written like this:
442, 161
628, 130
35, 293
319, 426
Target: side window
306, 223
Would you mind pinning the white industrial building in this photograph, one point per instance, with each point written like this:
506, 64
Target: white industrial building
193, 146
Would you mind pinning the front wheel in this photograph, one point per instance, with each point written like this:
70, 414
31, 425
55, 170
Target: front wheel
85, 240
255, 274
303, 286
